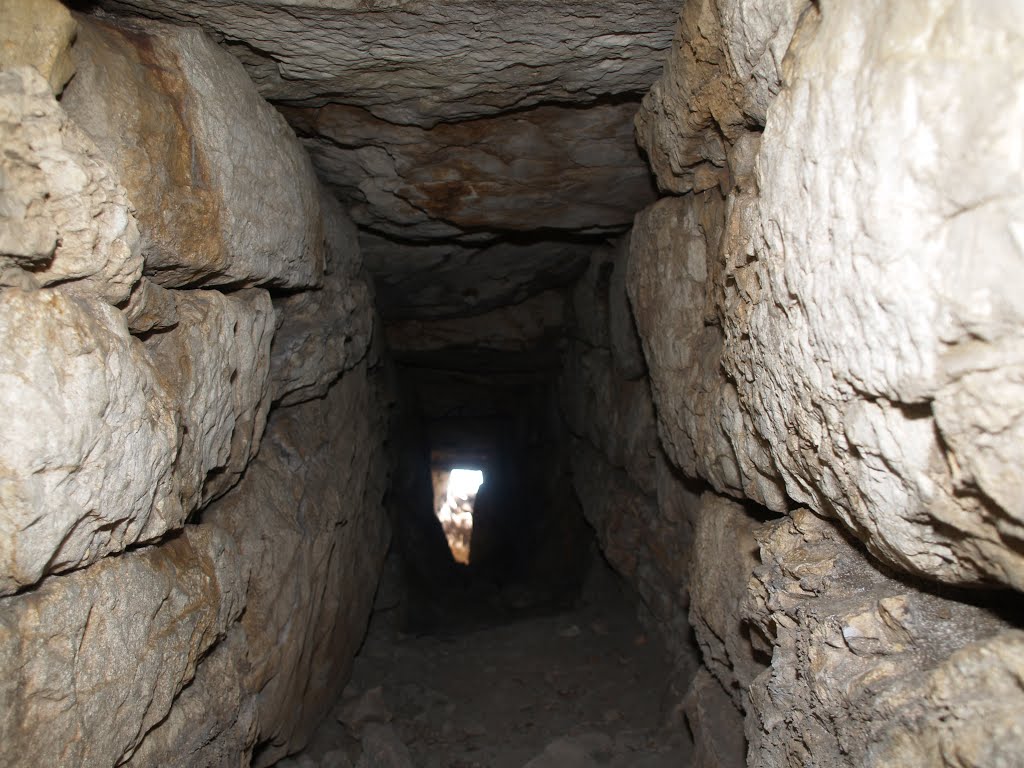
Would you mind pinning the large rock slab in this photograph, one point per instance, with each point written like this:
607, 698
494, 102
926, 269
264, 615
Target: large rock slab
224, 193
323, 332
65, 218
869, 670
673, 276
38, 33
722, 73
420, 62
871, 313
449, 280
216, 365
555, 168
725, 554
90, 437
213, 720
93, 660
309, 521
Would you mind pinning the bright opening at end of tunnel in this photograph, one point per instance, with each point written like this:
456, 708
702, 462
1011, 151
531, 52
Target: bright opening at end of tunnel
456, 512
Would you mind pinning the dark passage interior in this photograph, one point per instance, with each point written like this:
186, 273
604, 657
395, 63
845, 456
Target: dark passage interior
713, 303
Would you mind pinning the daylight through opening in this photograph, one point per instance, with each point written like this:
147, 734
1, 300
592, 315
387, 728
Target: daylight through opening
456, 509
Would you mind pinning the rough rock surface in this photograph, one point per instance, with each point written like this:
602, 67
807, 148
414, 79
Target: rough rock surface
673, 276
866, 339
38, 33
65, 218
871, 670
213, 720
309, 522
90, 436
721, 75
575, 170
419, 62
724, 556
215, 364
323, 332
436, 281
224, 193
94, 659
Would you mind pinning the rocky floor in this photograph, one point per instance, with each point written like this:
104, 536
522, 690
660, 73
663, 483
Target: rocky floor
573, 690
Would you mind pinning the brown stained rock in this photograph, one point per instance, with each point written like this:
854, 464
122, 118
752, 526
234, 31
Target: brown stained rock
417, 62
720, 77
90, 437
38, 33
93, 660
551, 167
308, 519
215, 364
223, 191
66, 219
869, 670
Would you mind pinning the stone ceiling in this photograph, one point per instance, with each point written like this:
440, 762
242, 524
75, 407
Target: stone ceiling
481, 146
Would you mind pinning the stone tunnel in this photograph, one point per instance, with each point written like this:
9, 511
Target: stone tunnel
720, 298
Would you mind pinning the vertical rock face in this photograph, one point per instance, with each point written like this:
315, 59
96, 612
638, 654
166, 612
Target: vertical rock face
827, 318
156, 608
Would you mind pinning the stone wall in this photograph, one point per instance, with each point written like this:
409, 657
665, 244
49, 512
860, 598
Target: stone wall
192, 468
826, 304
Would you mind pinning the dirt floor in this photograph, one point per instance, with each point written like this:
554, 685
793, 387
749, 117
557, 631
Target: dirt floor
578, 689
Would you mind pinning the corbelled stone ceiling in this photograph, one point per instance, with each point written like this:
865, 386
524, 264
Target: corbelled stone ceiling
489, 144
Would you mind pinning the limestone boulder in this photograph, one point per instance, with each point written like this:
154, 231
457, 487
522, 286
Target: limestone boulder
421, 62
871, 318
567, 169
94, 659
38, 33
724, 69
64, 218
215, 365
308, 519
673, 276
91, 437
921, 678
224, 193
325, 331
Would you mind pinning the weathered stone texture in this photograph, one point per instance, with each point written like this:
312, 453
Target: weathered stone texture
721, 75
323, 332
310, 525
224, 192
725, 554
874, 319
94, 660
569, 169
215, 364
871, 670
64, 218
90, 437
421, 62
672, 278
38, 33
